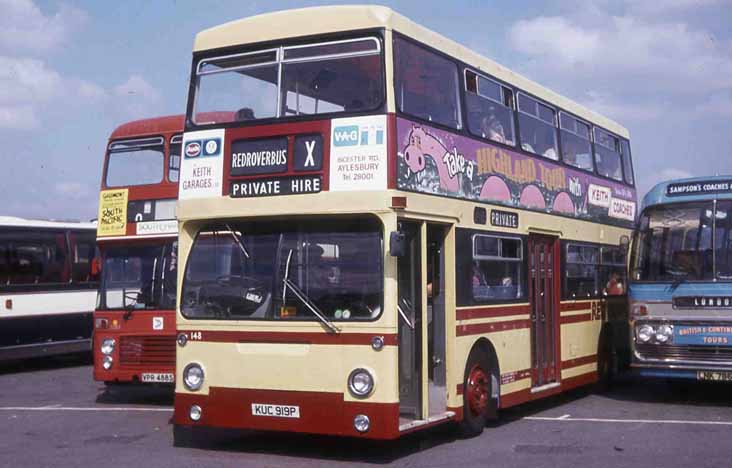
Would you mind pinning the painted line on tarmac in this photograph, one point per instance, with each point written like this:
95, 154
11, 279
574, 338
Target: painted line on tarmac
566, 418
81, 408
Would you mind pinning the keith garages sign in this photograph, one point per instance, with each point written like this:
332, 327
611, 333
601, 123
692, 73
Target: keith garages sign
201, 170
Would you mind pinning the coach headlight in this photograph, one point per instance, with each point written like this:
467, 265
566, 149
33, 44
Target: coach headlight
664, 334
107, 346
644, 333
360, 383
193, 376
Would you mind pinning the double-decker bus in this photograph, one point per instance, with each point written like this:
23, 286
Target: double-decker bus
387, 231
680, 291
134, 323
48, 282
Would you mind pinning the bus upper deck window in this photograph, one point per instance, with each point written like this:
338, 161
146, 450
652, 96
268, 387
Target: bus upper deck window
426, 84
490, 112
576, 143
607, 155
537, 124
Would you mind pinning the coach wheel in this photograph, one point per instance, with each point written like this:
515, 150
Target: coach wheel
477, 399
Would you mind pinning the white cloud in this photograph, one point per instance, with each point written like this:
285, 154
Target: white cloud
73, 190
23, 26
626, 49
555, 37
606, 104
27, 80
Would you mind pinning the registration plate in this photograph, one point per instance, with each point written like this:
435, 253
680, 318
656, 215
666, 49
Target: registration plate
275, 411
716, 376
158, 377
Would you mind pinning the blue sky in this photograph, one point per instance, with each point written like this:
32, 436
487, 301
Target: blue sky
70, 72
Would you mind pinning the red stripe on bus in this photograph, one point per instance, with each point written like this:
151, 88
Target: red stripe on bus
523, 396
580, 361
319, 412
480, 328
324, 338
576, 318
488, 312
459, 389
572, 306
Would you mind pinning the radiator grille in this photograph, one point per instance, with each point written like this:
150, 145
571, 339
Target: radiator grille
685, 353
137, 351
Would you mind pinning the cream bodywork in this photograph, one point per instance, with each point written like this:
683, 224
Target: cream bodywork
325, 368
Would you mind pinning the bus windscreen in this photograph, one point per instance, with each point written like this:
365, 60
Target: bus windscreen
312, 79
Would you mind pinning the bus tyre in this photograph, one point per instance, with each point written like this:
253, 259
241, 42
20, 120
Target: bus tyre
477, 401
183, 436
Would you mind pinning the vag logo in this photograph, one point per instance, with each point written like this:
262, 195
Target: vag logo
346, 135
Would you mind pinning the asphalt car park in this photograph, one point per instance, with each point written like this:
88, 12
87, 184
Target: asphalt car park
53, 414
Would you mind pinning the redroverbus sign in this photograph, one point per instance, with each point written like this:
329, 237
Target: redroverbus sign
699, 187
263, 156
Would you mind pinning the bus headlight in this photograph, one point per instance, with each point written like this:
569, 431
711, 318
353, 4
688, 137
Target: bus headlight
644, 333
195, 413
664, 334
193, 376
360, 383
107, 362
107, 346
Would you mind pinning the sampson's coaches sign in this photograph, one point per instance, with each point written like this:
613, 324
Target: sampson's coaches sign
702, 187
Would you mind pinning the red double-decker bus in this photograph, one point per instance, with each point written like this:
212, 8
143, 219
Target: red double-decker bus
134, 320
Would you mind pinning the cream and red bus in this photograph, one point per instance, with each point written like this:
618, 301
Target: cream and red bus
134, 322
387, 231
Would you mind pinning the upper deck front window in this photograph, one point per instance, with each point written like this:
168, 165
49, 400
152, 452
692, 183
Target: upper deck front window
135, 162
311, 79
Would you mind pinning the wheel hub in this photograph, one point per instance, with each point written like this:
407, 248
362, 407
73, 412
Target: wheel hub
477, 392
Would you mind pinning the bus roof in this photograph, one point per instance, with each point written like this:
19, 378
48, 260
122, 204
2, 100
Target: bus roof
156, 125
692, 188
12, 221
331, 19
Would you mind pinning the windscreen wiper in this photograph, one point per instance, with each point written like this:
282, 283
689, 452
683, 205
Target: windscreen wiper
238, 241
300, 294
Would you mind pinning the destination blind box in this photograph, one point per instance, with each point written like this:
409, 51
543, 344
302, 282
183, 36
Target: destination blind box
276, 186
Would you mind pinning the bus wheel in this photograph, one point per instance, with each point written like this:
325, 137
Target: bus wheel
476, 394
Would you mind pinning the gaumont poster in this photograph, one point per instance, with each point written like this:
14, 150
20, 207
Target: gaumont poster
434, 161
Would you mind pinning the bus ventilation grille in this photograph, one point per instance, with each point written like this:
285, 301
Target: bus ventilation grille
136, 351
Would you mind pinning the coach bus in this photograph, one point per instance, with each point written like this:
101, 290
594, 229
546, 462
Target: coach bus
680, 286
48, 283
134, 323
387, 231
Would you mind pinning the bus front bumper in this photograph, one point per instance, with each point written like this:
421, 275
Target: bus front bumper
274, 410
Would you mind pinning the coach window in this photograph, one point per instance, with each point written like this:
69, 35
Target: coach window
627, 161
607, 155
35, 258
174, 158
576, 144
537, 125
497, 268
135, 162
490, 109
426, 85
581, 273
83, 252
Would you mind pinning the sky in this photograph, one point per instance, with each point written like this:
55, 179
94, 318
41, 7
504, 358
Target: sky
70, 72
